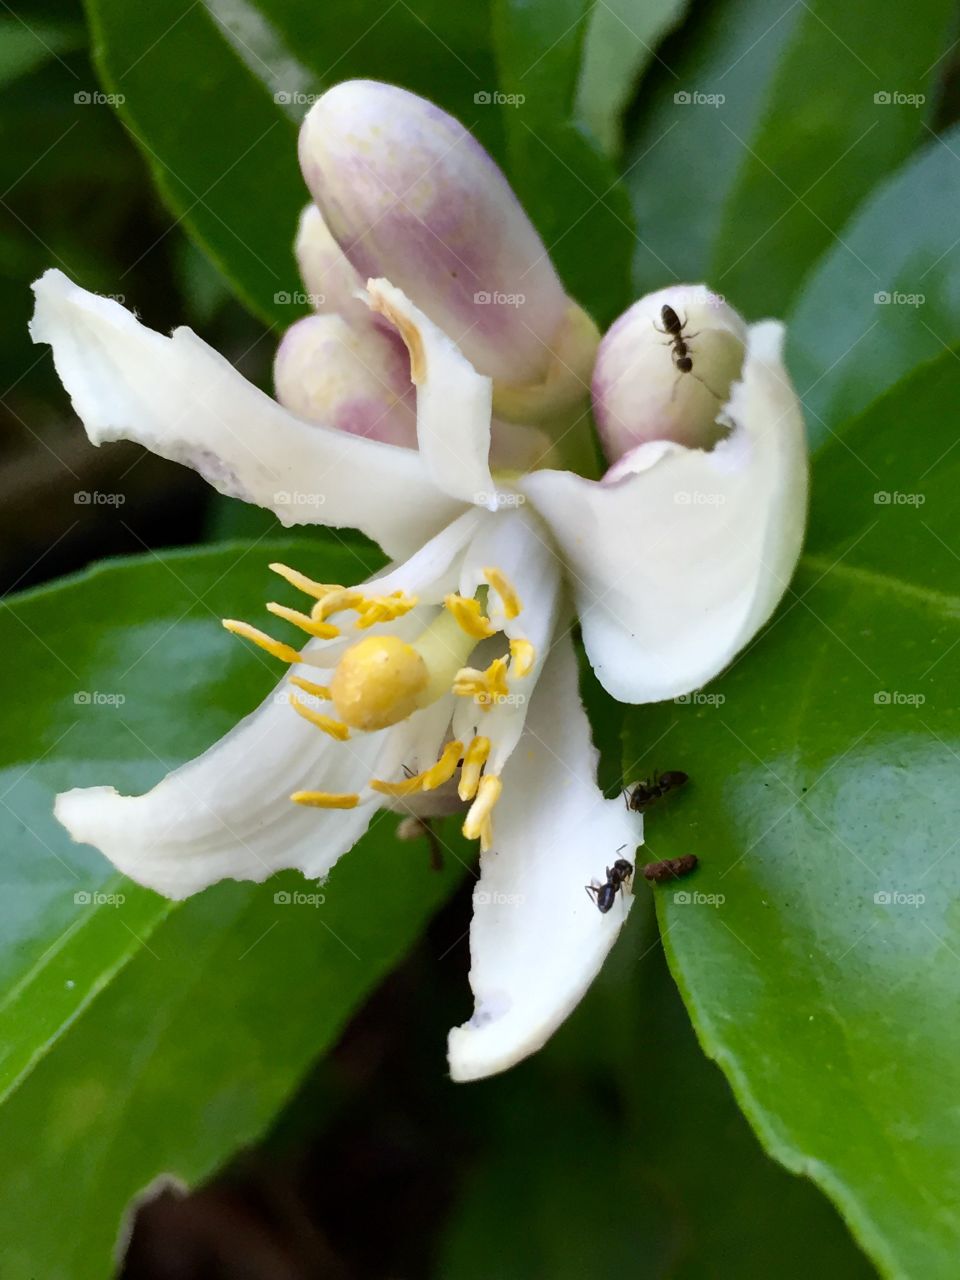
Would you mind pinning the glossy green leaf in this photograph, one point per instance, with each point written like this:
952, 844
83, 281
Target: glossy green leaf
25, 47
818, 946
887, 298
763, 134
567, 185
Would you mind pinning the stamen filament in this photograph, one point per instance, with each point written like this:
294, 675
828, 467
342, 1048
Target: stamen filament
326, 799
429, 779
485, 687
322, 630
470, 616
308, 686
477, 823
512, 604
522, 657
474, 759
285, 652
307, 585
335, 728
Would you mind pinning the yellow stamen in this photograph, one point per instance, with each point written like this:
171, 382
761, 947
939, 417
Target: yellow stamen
326, 799
522, 657
429, 780
307, 585
374, 609
477, 823
485, 687
308, 686
473, 761
322, 630
486, 836
285, 652
505, 589
335, 728
470, 616
335, 601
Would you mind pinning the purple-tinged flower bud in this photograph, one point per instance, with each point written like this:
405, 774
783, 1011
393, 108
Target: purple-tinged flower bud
332, 284
409, 194
664, 370
355, 379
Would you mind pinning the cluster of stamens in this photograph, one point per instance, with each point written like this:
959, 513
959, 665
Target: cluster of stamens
382, 679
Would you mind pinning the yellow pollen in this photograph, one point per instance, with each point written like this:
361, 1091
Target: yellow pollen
505, 589
522, 657
285, 652
374, 609
322, 630
334, 728
477, 824
339, 598
470, 616
485, 687
326, 799
474, 759
308, 686
307, 585
430, 779
378, 682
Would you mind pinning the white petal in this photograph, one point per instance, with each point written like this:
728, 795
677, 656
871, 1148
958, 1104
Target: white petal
679, 556
537, 940
454, 402
228, 813
184, 401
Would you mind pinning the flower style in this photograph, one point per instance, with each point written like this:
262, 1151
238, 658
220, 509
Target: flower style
429, 417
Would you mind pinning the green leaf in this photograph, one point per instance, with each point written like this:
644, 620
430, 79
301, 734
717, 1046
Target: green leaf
847, 345
748, 192
620, 41
818, 946
23, 48
618, 1151
146, 1036
213, 93
567, 185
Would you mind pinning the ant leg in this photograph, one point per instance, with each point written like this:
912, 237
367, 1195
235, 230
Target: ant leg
593, 891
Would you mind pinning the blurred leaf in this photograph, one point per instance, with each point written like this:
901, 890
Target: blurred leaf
620, 41
648, 1170
566, 184
818, 946
747, 188
887, 298
25, 47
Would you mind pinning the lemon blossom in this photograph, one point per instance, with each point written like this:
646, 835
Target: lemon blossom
449, 682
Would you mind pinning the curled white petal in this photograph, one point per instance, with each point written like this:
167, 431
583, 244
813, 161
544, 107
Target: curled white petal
537, 940
678, 556
184, 401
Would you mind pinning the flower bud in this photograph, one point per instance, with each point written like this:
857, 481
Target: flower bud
664, 370
409, 194
356, 379
331, 282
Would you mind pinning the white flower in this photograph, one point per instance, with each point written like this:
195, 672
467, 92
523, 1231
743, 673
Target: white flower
449, 681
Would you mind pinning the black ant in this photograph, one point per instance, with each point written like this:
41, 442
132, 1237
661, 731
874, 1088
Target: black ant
671, 868
604, 895
650, 790
673, 327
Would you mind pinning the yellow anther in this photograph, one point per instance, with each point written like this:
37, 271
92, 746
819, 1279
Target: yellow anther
374, 609
335, 601
470, 616
474, 759
308, 686
522, 657
505, 589
326, 799
322, 630
307, 585
335, 728
378, 682
477, 824
485, 687
285, 652
429, 780
486, 836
